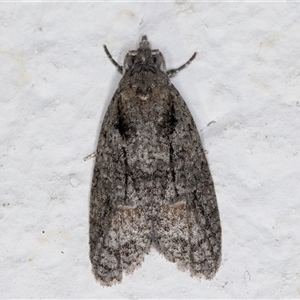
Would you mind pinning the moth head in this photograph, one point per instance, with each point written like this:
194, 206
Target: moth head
144, 44
144, 59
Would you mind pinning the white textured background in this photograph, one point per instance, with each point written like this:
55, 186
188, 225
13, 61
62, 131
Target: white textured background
56, 83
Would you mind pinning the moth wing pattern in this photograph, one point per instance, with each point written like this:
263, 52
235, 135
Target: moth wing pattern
188, 232
119, 234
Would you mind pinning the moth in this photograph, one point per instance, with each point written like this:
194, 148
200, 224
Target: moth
151, 184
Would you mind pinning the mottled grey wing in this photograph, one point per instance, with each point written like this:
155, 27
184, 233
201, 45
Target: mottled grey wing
188, 231
119, 235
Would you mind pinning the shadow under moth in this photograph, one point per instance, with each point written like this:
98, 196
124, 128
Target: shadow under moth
151, 183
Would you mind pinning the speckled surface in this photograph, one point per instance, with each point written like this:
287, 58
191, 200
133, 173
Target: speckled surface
56, 83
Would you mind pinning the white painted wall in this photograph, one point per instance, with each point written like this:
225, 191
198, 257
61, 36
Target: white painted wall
56, 83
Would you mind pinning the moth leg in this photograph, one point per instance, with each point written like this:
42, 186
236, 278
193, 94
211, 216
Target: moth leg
173, 72
94, 154
160, 55
119, 68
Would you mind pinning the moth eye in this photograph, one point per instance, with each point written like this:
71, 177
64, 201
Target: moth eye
130, 61
157, 60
